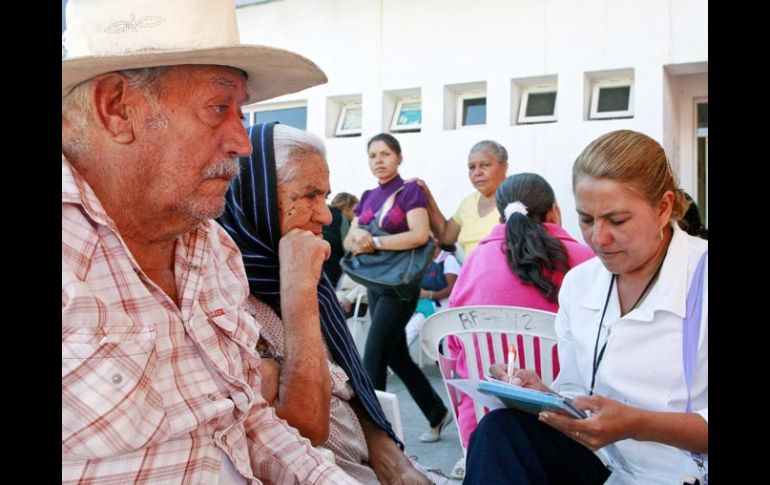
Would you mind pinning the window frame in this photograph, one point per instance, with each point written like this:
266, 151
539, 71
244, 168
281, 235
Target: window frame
461, 97
533, 89
250, 110
344, 110
395, 126
616, 82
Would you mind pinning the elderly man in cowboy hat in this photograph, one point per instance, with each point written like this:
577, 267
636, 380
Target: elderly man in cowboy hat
159, 370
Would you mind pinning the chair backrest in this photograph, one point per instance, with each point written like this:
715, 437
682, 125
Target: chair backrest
359, 326
390, 406
489, 329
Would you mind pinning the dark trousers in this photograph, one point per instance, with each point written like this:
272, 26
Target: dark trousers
386, 346
511, 447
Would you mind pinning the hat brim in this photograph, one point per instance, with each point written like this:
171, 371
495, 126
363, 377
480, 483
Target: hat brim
271, 72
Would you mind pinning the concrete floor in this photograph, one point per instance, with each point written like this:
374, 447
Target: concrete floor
441, 454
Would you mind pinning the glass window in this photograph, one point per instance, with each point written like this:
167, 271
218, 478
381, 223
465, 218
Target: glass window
613, 99
702, 109
243, 3
538, 103
541, 104
474, 111
703, 115
407, 115
349, 122
296, 117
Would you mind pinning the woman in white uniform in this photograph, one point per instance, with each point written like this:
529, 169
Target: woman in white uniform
632, 339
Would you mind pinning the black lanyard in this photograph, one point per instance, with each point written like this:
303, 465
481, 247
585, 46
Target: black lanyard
601, 321
596, 345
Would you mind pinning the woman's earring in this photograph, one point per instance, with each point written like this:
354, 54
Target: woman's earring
660, 237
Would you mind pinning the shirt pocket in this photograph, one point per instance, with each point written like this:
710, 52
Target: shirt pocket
110, 405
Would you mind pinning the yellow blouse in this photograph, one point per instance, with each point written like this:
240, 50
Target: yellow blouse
472, 227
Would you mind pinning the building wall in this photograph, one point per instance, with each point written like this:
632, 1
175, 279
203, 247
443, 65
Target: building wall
368, 47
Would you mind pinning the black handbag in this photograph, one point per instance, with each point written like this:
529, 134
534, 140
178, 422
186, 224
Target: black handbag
397, 273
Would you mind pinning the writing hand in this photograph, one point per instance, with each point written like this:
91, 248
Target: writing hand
521, 377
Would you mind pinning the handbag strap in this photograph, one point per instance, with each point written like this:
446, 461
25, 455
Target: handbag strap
690, 333
379, 211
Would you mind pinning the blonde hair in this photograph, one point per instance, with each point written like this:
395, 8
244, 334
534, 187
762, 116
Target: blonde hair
634, 159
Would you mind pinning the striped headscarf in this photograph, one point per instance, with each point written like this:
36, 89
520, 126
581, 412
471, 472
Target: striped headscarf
251, 219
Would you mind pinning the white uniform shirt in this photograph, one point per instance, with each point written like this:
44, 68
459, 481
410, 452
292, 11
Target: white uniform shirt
642, 365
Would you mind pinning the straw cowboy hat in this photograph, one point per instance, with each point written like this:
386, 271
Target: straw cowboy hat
110, 35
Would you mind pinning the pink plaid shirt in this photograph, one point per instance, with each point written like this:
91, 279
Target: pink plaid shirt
155, 393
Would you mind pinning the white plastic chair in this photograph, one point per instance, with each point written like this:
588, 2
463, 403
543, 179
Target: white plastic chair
359, 326
531, 330
389, 403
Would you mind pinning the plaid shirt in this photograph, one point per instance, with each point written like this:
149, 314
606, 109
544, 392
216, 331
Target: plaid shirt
155, 393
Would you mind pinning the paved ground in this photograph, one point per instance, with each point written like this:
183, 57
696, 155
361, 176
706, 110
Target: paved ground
442, 454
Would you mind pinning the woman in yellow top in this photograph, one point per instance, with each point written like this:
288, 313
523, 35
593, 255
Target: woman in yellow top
477, 215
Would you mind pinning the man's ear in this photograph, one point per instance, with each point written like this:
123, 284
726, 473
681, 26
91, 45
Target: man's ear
110, 93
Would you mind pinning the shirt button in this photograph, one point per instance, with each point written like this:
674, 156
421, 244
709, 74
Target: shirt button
193, 267
117, 379
211, 397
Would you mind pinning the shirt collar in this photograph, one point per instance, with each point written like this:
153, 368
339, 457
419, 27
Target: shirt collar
392, 184
667, 293
75, 190
670, 291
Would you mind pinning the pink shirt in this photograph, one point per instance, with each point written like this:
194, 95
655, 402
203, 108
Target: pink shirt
154, 392
486, 279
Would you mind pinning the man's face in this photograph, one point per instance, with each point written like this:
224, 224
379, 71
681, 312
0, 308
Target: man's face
302, 198
190, 141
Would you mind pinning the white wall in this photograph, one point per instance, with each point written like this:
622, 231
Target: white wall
367, 47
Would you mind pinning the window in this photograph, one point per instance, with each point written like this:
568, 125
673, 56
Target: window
538, 103
471, 109
349, 122
407, 115
243, 3
702, 114
296, 117
612, 98
291, 113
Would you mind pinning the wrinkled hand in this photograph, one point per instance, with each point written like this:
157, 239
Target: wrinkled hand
302, 254
521, 377
400, 473
390, 464
362, 241
410, 476
270, 372
610, 421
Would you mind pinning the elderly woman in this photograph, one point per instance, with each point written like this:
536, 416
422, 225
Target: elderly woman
311, 372
476, 216
624, 319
